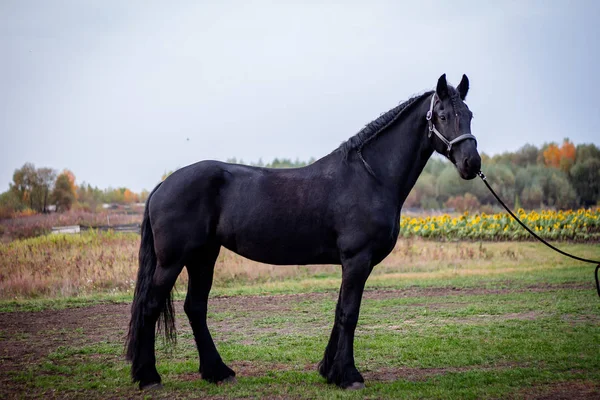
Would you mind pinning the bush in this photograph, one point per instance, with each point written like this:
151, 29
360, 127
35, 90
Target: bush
9, 204
26, 212
468, 202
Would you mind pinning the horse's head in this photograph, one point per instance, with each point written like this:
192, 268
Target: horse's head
449, 127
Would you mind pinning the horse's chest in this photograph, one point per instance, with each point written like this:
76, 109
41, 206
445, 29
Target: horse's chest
376, 235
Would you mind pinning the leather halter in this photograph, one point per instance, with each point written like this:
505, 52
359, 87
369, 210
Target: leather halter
432, 128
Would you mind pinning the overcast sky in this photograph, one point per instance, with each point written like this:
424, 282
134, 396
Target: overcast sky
113, 90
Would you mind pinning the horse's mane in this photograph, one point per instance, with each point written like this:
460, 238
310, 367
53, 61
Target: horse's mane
374, 128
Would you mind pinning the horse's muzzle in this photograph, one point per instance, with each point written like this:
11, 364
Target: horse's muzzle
469, 166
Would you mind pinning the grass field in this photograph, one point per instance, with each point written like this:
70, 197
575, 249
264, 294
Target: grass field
438, 320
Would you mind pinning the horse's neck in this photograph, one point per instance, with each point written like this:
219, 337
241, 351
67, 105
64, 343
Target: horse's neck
398, 157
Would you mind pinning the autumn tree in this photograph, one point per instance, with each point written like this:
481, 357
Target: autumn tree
129, 197
71, 177
552, 155
64, 194
562, 157
33, 186
567, 155
24, 182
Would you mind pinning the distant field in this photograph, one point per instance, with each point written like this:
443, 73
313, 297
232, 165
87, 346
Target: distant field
41, 224
439, 320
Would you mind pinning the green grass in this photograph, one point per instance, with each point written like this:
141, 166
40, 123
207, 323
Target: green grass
476, 346
440, 329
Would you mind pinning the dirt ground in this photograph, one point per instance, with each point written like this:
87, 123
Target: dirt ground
28, 337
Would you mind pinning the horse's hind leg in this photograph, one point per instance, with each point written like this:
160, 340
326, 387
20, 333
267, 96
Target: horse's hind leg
144, 363
200, 273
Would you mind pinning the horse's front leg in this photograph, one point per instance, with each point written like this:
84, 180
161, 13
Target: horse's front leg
342, 370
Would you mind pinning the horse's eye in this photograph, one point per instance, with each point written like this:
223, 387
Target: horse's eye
442, 117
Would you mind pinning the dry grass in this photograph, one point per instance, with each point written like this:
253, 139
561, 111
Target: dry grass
40, 224
68, 265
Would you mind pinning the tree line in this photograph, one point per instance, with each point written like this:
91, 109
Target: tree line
553, 176
39, 190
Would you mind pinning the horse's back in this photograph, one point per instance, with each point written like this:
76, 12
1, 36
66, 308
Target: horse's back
279, 216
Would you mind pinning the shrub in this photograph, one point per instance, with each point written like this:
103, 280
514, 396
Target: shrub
468, 202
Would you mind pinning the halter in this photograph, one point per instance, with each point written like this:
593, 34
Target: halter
449, 143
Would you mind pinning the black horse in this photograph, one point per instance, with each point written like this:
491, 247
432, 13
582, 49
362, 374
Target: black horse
342, 209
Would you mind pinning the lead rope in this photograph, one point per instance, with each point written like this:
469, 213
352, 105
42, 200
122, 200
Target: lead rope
564, 253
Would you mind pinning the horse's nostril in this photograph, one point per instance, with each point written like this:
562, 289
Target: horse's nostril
466, 163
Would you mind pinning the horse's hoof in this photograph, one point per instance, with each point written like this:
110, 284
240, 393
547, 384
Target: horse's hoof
230, 380
151, 387
355, 386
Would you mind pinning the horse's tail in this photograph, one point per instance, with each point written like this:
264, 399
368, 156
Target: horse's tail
141, 298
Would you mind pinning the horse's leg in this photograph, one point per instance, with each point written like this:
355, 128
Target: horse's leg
200, 273
342, 370
330, 350
144, 367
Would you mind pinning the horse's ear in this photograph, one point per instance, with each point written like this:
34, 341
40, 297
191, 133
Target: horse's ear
463, 87
442, 87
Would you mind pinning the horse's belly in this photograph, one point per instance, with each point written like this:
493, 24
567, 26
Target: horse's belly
283, 247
